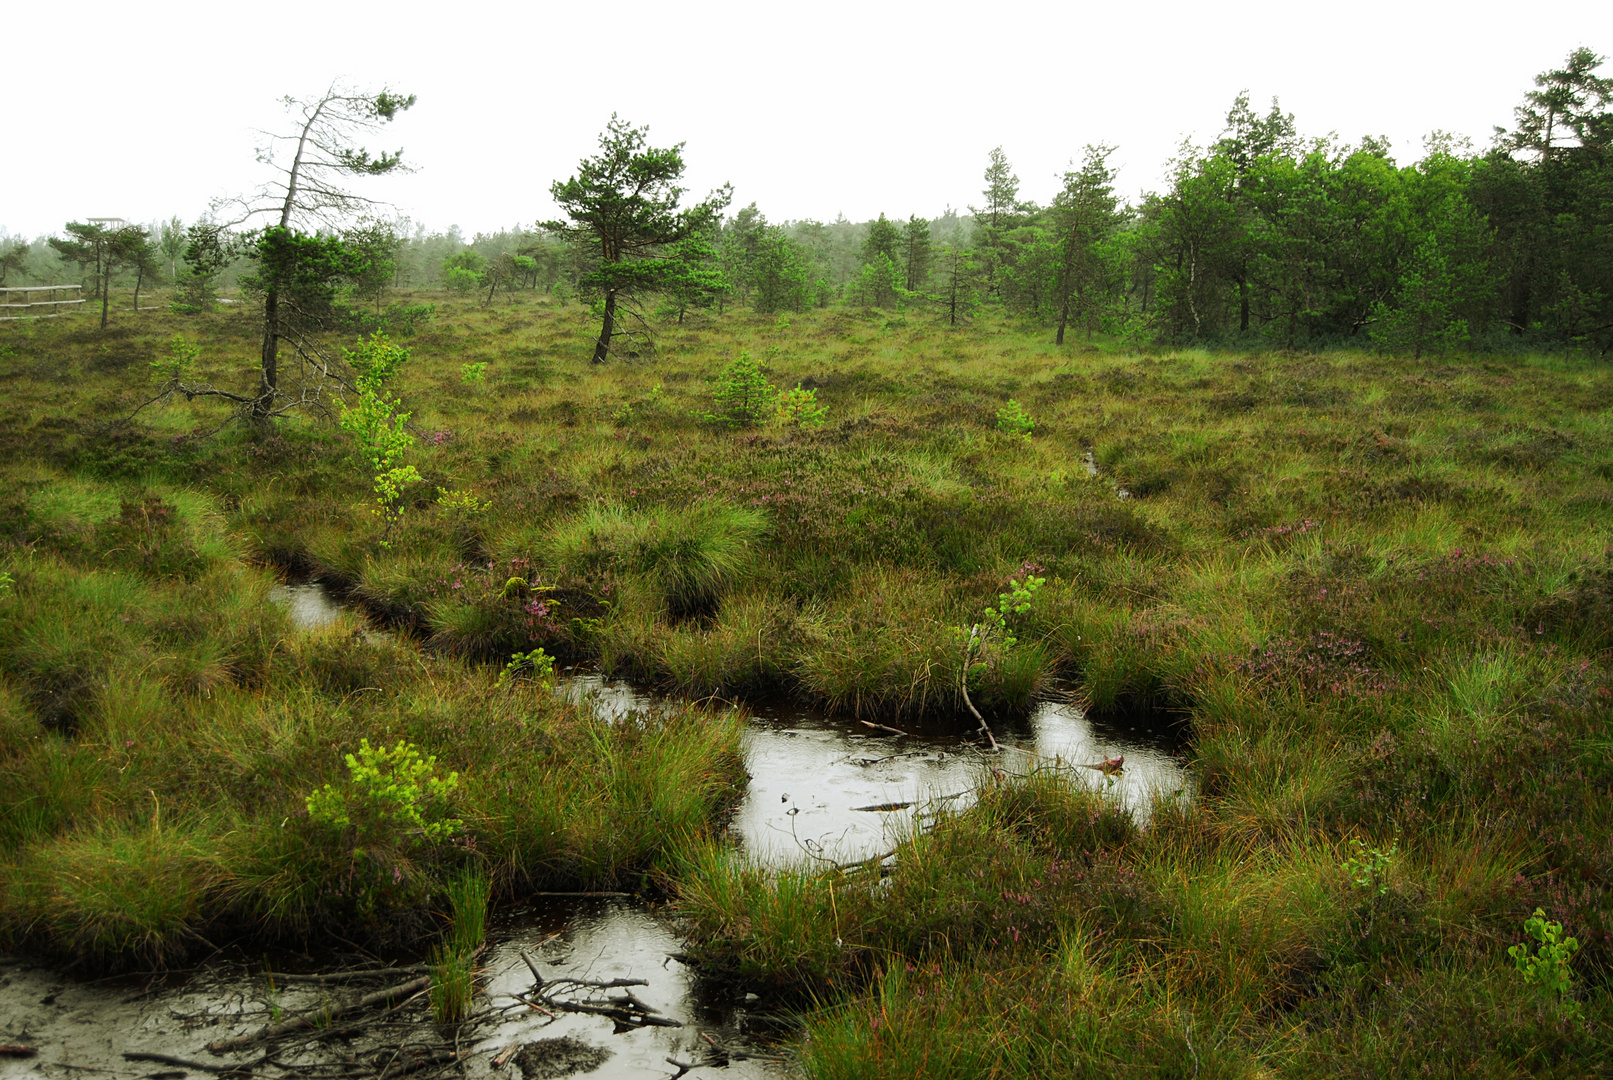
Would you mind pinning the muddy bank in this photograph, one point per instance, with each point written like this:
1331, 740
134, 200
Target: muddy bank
86, 1027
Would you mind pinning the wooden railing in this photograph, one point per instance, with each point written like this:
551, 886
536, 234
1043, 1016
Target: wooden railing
20, 302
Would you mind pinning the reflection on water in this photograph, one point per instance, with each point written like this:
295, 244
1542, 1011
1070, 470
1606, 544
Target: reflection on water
811, 773
309, 606
84, 1028
604, 939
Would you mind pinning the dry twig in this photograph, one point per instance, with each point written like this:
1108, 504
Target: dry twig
321, 1016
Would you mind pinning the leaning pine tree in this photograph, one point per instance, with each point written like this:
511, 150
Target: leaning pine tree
300, 270
623, 207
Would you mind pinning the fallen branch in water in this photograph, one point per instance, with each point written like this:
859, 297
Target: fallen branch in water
861, 863
627, 1009
632, 1000
620, 1015
612, 984
340, 976
537, 976
883, 727
597, 893
321, 1017
864, 762
529, 1003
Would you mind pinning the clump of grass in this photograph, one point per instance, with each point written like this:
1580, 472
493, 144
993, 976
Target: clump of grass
993, 882
886, 648
785, 929
453, 984
112, 893
691, 555
468, 894
741, 652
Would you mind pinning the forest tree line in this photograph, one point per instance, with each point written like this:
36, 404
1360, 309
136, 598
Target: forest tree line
1262, 236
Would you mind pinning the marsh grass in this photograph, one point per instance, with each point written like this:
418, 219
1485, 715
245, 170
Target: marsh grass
468, 895
163, 725
1375, 591
453, 984
691, 555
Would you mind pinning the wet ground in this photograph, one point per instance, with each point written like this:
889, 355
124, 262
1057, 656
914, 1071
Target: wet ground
84, 1028
814, 777
821, 789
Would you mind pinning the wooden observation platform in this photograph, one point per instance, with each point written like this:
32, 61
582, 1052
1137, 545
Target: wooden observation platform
31, 301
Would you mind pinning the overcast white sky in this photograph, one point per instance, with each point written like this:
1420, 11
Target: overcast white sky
811, 110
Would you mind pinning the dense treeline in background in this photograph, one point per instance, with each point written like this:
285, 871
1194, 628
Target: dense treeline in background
1261, 237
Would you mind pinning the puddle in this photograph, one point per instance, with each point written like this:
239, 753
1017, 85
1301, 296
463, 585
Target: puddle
813, 778
309, 606
87, 1027
604, 939
811, 773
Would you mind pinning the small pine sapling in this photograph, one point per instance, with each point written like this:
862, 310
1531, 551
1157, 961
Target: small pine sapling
181, 358
742, 396
801, 407
462, 503
1012, 419
391, 796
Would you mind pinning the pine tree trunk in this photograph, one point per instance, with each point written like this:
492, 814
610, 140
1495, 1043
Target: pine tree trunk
1520, 302
1064, 319
602, 346
271, 350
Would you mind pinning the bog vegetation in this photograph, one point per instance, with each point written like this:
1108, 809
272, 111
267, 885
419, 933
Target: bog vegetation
1311, 452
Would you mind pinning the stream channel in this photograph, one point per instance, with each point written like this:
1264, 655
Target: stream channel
813, 782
